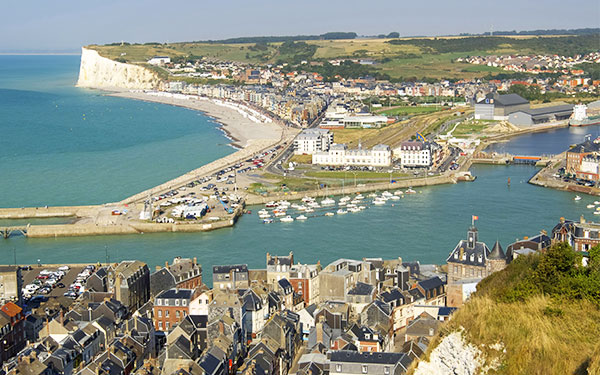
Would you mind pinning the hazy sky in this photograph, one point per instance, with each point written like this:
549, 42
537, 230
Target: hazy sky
68, 24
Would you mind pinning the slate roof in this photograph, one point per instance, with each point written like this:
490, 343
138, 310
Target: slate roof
176, 293
366, 357
585, 147
432, 283
480, 248
497, 252
229, 268
510, 99
362, 289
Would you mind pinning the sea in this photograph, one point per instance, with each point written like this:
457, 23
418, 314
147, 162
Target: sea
62, 145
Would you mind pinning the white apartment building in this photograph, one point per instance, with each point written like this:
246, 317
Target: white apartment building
338, 154
159, 60
414, 154
310, 141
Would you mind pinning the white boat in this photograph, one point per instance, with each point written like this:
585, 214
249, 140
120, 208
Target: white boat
287, 219
263, 212
342, 203
410, 191
596, 212
378, 201
329, 214
271, 204
354, 209
359, 196
577, 197
264, 216
314, 205
362, 207
301, 217
341, 212
280, 213
327, 202
345, 199
283, 203
372, 195
350, 205
398, 192
308, 199
295, 205
267, 221
309, 210
355, 201
596, 202
395, 198
386, 194
590, 206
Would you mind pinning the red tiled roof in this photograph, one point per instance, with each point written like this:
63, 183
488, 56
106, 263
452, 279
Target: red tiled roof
11, 309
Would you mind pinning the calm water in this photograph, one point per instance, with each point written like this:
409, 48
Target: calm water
61, 145
423, 227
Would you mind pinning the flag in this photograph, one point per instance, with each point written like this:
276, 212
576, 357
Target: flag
475, 217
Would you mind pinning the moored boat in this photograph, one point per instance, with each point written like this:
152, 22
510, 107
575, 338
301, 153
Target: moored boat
301, 217
287, 219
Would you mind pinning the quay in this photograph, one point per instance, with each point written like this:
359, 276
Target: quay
7, 231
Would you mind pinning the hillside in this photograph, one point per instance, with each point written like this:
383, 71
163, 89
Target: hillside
397, 59
540, 315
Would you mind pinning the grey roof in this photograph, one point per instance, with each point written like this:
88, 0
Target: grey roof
176, 293
229, 268
362, 289
431, 283
565, 108
497, 252
587, 146
366, 357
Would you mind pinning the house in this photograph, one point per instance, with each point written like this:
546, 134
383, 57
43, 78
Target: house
576, 154
182, 273
171, 307
130, 283
423, 326
348, 362
360, 295
256, 312
434, 290
417, 154
367, 339
12, 331
581, 235
473, 259
230, 277
540, 242
278, 267
341, 275
159, 60
310, 141
305, 281
11, 283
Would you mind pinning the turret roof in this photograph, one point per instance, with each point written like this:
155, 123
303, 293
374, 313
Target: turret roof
497, 252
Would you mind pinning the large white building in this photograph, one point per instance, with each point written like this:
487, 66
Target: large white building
415, 154
159, 60
338, 154
310, 141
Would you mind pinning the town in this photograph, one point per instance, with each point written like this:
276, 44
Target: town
363, 316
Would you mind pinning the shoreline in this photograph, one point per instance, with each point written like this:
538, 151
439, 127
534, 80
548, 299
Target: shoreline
239, 129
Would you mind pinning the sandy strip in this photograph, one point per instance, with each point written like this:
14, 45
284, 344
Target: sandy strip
241, 130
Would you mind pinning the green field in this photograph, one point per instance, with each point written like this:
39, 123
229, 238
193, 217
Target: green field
471, 127
349, 176
410, 110
399, 59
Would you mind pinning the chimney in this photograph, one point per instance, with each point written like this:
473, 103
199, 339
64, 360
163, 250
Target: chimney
562, 220
221, 328
582, 220
462, 253
319, 329
195, 261
166, 264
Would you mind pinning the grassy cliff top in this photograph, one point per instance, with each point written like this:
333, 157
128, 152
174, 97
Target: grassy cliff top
540, 315
397, 58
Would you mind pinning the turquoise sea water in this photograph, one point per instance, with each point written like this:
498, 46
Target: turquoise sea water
62, 145
424, 226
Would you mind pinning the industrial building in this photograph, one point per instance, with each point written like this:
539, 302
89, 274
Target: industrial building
497, 107
533, 116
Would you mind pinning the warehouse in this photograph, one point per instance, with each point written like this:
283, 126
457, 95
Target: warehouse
498, 107
533, 116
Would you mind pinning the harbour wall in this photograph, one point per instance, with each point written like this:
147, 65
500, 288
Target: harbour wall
99, 72
438, 180
47, 212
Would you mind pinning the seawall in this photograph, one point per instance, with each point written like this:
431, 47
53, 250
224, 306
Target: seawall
99, 72
47, 212
402, 184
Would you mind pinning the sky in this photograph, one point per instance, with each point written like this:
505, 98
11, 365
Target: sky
42, 25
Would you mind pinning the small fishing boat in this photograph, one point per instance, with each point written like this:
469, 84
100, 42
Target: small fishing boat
280, 213
341, 212
577, 197
596, 212
410, 191
329, 214
372, 195
287, 219
590, 206
271, 204
596, 202
263, 212
398, 192
309, 210
378, 201
395, 198
359, 196
354, 209
301, 217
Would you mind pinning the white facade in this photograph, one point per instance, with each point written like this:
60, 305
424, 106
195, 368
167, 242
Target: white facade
364, 121
199, 305
338, 154
414, 154
590, 164
311, 141
159, 60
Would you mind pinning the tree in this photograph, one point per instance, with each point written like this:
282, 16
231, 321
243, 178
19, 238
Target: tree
393, 34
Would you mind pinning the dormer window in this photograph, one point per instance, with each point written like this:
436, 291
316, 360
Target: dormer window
455, 255
472, 258
480, 258
158, 302
176, 302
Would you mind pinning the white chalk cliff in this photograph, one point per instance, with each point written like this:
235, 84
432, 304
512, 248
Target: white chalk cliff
453, 355
99, 72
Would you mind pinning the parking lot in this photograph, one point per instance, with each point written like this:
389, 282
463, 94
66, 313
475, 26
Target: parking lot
50, 283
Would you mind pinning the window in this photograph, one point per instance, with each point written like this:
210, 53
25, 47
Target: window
338, 368
166, 313
184, 302
160, 325
159, 313
386, 370
158, 302
365, 369
176, 302
177, 314
167, 326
